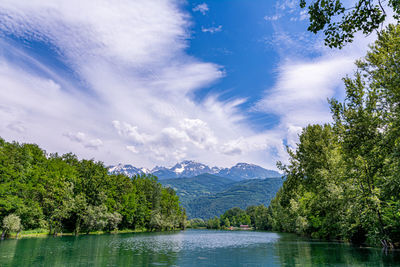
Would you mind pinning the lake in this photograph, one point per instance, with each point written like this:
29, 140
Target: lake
189, 248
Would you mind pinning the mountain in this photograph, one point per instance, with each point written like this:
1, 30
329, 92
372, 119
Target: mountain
207, 192
240, 194
247, 171
163, 173
202, 185
127, 169
189, 168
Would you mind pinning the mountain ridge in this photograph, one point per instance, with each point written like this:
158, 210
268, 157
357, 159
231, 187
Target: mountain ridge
190, 168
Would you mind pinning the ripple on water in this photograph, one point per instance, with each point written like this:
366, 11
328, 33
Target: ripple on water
194, 240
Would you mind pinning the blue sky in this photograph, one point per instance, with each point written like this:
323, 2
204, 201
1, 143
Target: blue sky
155, 82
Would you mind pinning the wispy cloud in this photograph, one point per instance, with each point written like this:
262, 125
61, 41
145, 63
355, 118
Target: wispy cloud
212, 29
130, 96
202, 8
307, 75
272, 18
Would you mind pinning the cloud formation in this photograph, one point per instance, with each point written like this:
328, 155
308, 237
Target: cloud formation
118, 85
307, 75
202, 8
129, 93
212, 29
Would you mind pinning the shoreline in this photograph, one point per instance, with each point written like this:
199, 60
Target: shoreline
44, 234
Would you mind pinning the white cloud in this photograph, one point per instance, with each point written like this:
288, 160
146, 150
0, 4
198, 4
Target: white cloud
302, 89
288, 5
272, 18
78, 137
130, 95
16, 126
202, 8
304, 14
199, 133
82, 138
94, 144
131, 132
308, 74
212, 29
132, 149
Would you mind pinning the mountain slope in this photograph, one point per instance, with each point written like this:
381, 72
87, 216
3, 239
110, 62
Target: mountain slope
127, 169
202, 185
189, 168
240, 194
247, 171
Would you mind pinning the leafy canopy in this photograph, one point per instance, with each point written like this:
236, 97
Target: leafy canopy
339, 21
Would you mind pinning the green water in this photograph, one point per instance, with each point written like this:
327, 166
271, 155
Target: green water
189, 248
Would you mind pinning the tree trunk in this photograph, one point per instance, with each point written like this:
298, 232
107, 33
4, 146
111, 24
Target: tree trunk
3, 234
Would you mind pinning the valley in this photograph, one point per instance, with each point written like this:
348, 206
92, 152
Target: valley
206, 191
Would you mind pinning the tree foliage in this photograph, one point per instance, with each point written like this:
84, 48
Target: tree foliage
11, 223
253, 216
62, 193
342, 181
339, 20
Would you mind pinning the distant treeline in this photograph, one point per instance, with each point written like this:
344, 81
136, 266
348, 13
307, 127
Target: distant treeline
64, 194
255, 217
343, 180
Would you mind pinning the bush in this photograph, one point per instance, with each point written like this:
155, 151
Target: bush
11, 223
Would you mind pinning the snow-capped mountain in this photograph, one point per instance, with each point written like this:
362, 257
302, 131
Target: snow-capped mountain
247, 171
189, 168
163, 172
128, 170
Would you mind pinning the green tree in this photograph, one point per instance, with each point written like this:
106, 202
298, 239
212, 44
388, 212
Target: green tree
342, 181
227, 223
64, 193
340, 20
214, 223
11, 223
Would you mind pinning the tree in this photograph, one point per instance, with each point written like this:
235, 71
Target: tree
11, 223
214, 223
227, 223
342, 181
196, 222
95, 218
340, 22
113, 220
260, 219
63, 193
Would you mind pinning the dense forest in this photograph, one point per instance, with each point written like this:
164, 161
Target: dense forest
206, 195
343, 180
241, 194
255, 217
64, 194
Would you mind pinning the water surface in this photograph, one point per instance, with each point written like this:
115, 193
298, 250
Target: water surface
189, 248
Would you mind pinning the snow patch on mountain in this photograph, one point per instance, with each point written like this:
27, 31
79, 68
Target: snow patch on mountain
190, 168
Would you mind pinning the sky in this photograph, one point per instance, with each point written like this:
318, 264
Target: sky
155, 82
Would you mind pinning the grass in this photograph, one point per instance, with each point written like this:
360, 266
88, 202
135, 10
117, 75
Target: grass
45, 233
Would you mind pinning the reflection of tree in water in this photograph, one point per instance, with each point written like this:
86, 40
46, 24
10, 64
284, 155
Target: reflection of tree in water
101, 250
296, 251
197, 247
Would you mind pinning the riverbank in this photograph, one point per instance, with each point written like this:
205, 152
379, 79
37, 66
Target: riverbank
45, 233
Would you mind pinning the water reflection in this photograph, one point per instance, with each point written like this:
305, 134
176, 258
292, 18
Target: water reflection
303, 252
188, 248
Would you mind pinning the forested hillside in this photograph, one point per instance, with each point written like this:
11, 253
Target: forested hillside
343, 179
202, 185
64, 194
240, 194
